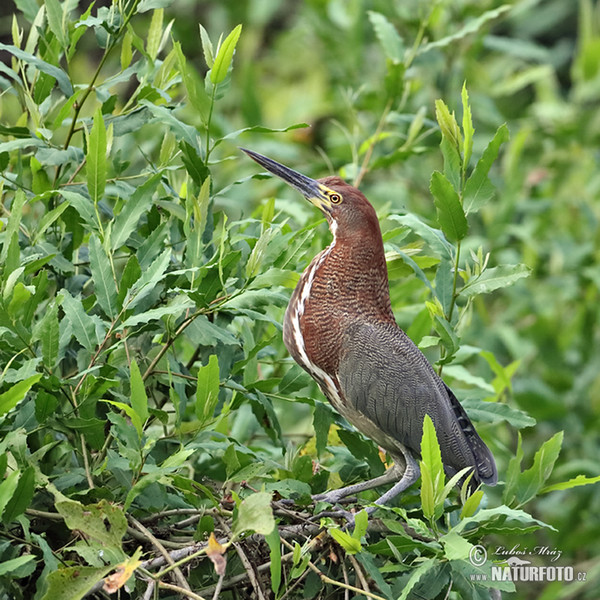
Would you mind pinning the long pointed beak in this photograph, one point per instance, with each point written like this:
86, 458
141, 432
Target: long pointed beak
311, 189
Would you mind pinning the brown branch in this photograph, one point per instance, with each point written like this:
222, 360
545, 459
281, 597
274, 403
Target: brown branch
150, 537
250, 570
325, 579
180, 590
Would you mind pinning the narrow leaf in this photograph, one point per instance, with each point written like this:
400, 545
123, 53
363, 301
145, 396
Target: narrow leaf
494, 278
274, 543
573, 482
139, 399
154, 33
207, 392
388, 37
102, 276
225, 56
84, 325
478, 188
148, 280
62, 79
207, 48
14, 395
49, 335
138, 204
468, 129
96, 158
472, 26
83, 206
450, 211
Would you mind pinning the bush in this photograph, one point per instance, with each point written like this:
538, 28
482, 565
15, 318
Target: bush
150, 416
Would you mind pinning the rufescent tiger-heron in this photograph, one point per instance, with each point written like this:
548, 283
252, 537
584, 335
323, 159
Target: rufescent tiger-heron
340, 328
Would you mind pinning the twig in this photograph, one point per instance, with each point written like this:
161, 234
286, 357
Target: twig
149, 590
237, 579
250, 570
180, 590
359, 573
169, 343
176, 555
325, 579
86, 463
346, 578
150, 537
218, 587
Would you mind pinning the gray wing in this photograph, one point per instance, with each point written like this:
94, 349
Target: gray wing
385, 377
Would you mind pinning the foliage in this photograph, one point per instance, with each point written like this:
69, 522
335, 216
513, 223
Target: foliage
150, 417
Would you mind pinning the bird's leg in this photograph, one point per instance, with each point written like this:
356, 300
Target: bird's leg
409, 476
334, 496
404, 473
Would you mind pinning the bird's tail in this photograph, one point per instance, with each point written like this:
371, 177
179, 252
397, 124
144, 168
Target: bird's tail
485, 465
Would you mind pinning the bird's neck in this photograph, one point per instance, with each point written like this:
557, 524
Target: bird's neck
345, 283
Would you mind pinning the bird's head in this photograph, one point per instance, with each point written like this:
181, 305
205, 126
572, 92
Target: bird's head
345, 207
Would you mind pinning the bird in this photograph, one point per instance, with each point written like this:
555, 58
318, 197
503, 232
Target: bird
340, 328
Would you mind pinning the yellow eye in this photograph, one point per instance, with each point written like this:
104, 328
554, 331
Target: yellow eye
335, 198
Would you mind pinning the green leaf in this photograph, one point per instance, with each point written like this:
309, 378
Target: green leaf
131, 413
350, 544
148, 280
62, 79
448, 125
444, 281
274, 543
225, 56
472, 26
139, 399
134, 207
96, 158
450, 211
207, 392
102, 276
478, 188
7, 489
103, 522
471, 504
21, 497
54, 10
494, 278
388, 37
14, 395
432, 468
530, 481
423, 568
84, 326
322, 420
573, 482
48, 219
361, 522
177, 306
255, 514
154, 34
455, 546
207, 47
468, 130
434, 237
502, 516
83, 206
74, 583
9, 566
12, 226
195, 90
495, 412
